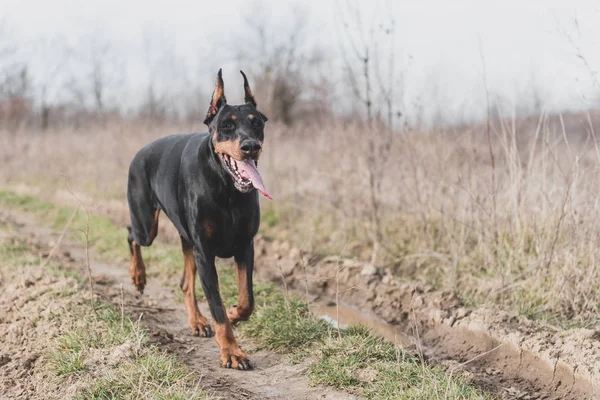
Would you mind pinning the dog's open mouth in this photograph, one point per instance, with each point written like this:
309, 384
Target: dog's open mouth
245, 175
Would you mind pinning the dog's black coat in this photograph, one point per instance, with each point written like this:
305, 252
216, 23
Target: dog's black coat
206, 184
183, 176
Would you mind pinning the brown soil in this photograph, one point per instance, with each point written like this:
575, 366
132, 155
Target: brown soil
27, 328
505, 354
22, 374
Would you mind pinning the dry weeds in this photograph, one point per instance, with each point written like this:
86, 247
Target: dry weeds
520, 232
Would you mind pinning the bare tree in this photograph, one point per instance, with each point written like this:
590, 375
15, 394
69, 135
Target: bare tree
574, 32
370, 60
99, 52
14, 80
104, 70
369, 56
288, 74
165, 97
95, 73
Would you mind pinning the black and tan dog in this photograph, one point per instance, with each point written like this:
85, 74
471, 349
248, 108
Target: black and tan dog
207, 184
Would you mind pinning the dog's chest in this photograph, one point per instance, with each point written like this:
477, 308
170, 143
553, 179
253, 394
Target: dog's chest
232, 227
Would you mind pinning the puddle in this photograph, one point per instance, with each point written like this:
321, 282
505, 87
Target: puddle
347, 315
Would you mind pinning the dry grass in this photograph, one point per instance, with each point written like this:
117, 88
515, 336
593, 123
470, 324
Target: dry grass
522, 232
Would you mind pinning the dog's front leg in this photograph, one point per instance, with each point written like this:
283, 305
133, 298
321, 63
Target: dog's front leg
231, 355
244, 266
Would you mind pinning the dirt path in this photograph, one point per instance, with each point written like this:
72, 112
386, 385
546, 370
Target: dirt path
166, 319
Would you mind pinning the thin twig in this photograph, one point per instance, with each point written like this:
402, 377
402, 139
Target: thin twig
122, 308
477, 357
337, 291
285, 287
87, 258
86, 233
60, 238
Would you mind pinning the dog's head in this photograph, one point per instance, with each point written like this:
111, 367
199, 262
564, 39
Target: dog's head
237, 134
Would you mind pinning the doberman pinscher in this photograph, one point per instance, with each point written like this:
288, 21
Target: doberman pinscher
206, 184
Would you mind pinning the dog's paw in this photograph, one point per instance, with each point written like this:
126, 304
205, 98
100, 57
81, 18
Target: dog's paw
237, 314
234, 357
201, 327
138, 278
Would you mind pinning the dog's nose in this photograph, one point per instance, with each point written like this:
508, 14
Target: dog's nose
250, 147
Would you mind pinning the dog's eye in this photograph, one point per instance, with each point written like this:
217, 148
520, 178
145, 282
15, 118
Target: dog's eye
228, 126
256, 124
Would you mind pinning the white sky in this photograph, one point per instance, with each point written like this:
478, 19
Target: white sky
526, 44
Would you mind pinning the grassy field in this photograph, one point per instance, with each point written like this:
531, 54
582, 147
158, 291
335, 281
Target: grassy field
511, 220
352, 359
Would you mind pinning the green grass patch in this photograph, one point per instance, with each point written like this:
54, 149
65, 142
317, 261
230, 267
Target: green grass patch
285, 325
536, 309
117, 349
57, 271
150, 376
67, 363
370, 366
109, 240
14, 252
359, 362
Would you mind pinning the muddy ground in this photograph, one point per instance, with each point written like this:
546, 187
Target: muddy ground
506, 354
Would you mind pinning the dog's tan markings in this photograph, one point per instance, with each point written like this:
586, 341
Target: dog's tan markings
233, 117
209, 228
231, 355
154, 229
137, 269
251, 116
218, 97
243, 309
230, 147
197, 322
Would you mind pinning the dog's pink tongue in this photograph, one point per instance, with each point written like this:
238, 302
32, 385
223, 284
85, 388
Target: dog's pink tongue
248, 170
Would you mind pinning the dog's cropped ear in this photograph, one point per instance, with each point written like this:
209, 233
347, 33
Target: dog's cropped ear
218, 99
249, 97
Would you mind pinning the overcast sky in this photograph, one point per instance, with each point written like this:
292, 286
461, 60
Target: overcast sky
527, 45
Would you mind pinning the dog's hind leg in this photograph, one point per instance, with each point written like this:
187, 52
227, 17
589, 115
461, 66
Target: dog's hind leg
244, 265
198, 322
137, 268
